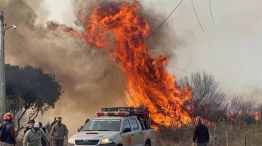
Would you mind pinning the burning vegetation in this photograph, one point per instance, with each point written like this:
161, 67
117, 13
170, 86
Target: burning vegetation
122, 30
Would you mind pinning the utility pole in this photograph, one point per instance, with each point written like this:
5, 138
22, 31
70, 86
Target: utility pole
3, 29
2, 65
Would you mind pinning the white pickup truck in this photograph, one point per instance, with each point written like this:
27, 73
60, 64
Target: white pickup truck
114, 129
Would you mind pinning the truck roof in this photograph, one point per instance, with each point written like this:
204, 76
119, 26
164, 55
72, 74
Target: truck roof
141, 113
114, 117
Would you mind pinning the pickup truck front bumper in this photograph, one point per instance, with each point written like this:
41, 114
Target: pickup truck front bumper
110, 144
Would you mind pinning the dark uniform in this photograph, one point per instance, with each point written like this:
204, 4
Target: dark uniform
7, 131
201, 135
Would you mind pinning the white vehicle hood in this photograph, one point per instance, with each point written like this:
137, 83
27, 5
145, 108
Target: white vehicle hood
93, 135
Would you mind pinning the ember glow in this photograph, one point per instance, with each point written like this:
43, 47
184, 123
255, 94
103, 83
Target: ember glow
122, 30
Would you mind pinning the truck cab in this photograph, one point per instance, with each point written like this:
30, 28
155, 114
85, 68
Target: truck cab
115, 128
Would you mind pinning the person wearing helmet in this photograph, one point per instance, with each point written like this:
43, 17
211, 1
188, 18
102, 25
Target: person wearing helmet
34, 136
7, 131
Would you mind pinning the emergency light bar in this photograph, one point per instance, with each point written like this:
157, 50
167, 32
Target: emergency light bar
140, 112
100, 114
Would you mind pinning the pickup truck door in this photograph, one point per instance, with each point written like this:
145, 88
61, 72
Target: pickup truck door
127, 136
137, 134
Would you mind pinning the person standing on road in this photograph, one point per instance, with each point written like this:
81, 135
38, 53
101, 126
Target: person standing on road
52, 141
46, 133
34, 136
59, 132
54, 122
29, 125
48, 127
201, 134
7, 131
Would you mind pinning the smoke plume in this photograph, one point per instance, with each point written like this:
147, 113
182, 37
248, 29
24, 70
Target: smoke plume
89, 78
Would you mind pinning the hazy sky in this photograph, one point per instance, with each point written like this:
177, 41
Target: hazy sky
231, 49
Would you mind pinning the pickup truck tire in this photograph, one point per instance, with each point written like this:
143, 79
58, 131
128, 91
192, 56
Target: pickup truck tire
148, 143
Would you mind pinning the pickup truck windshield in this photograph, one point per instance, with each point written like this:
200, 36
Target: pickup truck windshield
103, 125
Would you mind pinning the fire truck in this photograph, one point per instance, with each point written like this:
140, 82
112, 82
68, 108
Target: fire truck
117, 126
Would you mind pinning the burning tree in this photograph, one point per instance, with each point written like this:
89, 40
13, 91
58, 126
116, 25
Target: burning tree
207, 98
30, 90
243, 111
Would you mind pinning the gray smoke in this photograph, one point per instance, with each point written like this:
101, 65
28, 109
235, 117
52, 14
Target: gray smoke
88, 77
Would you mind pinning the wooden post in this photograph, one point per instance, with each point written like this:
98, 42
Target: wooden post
245, 139
214, 135
226, 127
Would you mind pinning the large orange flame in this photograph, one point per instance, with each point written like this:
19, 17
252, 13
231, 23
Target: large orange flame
120, 28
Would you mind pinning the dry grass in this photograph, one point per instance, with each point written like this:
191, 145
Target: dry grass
238, 135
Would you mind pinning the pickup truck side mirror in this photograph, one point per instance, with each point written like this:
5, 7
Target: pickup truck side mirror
127, 130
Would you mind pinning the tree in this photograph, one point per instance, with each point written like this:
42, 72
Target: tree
207, 100
243, 111
30, 90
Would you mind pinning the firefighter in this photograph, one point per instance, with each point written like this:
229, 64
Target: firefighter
59, 132
7, 134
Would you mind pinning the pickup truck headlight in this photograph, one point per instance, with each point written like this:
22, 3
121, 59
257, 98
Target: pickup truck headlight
106, 141
71, 141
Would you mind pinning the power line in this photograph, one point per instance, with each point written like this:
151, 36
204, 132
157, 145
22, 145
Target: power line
211, 12
166, 18
189, 73
194, 8
195, 12
180, 69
